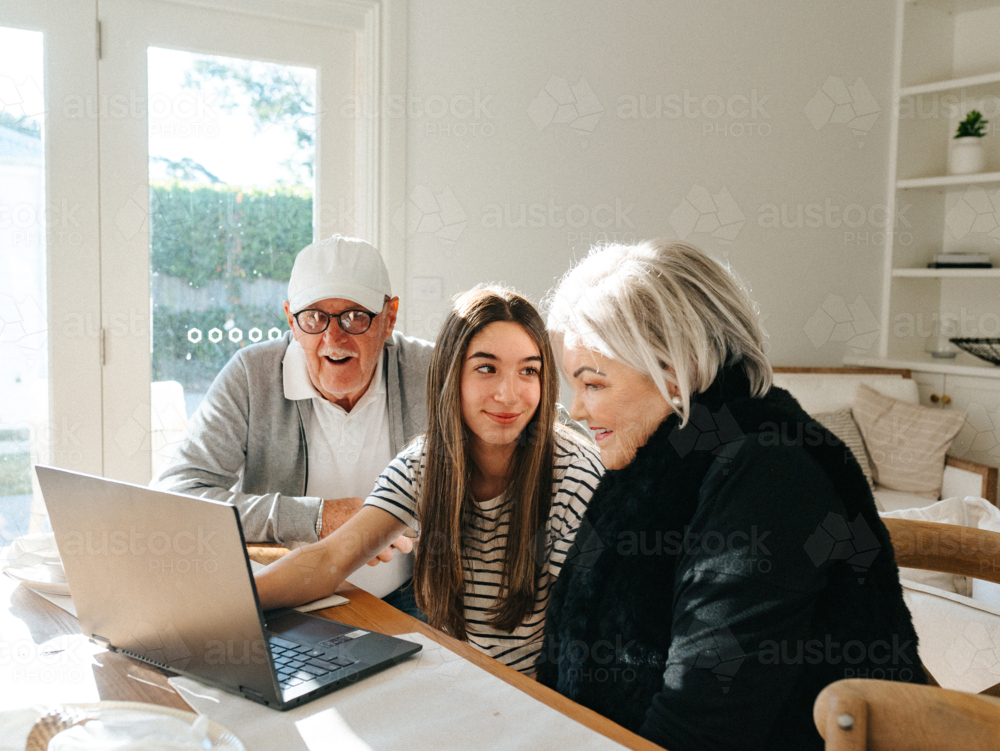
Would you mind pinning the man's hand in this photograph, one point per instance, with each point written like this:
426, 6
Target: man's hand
402, 544
336, 511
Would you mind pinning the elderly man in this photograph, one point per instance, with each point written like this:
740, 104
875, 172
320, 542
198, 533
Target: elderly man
295, 431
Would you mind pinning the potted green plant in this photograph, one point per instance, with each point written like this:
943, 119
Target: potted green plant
967, 155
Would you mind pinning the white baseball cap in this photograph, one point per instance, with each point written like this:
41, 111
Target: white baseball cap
342, 267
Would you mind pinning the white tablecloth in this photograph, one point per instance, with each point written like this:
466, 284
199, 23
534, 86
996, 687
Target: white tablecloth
433, 701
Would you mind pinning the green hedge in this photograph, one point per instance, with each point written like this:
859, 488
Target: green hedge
15, 478
205, 232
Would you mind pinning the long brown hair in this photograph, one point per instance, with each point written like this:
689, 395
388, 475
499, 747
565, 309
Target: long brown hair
444, 495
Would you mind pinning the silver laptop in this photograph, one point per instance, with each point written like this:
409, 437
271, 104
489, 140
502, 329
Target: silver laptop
165, 578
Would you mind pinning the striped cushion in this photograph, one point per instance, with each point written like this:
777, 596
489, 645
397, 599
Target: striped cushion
841, 424
906, 443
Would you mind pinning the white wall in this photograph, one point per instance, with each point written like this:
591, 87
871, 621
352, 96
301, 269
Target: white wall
466, 164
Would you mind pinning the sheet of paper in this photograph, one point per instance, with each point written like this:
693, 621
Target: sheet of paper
434, 700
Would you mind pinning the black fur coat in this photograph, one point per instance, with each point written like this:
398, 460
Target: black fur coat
718, 582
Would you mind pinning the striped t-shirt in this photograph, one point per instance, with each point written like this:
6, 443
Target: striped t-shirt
578, 469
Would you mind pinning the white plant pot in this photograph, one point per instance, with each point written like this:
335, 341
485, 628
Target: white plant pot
966, 156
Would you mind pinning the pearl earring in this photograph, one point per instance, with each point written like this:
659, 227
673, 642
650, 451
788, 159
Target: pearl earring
677, 401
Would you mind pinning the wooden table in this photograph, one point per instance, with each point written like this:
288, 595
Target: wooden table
27, 620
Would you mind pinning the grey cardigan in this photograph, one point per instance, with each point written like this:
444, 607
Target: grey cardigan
246, 444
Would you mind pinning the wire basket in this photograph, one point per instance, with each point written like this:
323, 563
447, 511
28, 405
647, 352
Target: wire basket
984, 349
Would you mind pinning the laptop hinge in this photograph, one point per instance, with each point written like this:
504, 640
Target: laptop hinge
252, 695
102, 641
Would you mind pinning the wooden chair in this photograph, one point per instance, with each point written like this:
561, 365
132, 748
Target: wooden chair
265, 553
918, 544
948, 548
858, 714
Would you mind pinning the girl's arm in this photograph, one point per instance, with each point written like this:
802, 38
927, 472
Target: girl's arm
315, 571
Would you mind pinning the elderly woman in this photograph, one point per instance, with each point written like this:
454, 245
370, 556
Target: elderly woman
725, 571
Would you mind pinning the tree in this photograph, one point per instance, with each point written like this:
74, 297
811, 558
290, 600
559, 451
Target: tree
277, 94
184, 169
26, 124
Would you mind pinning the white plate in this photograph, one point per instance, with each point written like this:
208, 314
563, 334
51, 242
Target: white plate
40, 578
32, 549
216, 732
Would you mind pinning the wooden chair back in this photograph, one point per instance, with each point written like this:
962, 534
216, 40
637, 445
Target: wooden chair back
858, 714
949, 548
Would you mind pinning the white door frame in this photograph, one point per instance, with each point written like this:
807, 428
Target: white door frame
377, 185
73, 436
381, 28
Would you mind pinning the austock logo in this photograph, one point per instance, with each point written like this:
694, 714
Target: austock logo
63, 660
587, 547
836, 539
23, 323
976, 211
981, 432
701, 212
134, 434
163, 645
838, 321
426, 212
716, 649
714, 432
977, 650
21, 100
609, 660
561, 104
838, 103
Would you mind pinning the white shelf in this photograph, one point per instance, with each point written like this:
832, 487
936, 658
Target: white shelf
944, 273
930, 365
955, 83
945, 49
945, 181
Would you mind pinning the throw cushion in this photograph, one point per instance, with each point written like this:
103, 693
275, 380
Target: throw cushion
842, 425
906, 443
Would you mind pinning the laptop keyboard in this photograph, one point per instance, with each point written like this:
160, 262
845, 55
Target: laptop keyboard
297, 663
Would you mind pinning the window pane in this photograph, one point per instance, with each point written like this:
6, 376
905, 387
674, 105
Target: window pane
231, 145
23, 355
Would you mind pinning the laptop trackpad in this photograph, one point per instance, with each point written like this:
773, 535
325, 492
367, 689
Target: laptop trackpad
305, 629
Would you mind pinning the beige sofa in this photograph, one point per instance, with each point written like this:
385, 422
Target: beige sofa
828, 389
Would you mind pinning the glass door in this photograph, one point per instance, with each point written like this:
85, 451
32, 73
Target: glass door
24, 404
49, 304
234, 157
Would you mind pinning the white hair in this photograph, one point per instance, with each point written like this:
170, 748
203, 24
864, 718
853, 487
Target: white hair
657, 305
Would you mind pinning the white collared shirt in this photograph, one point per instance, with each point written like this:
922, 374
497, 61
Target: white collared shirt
347, 452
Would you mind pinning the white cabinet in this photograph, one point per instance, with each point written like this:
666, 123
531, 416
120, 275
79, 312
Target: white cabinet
979, 398
947, 63
930, 385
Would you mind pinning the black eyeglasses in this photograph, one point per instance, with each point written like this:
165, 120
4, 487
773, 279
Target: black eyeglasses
313, 321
